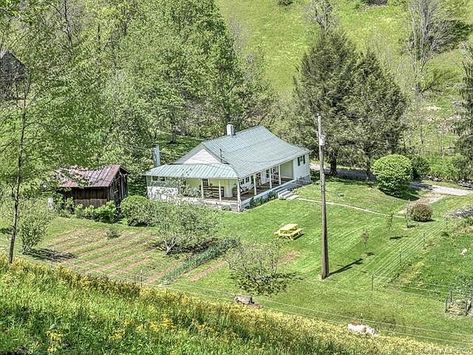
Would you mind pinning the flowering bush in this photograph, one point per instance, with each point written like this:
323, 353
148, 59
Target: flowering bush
420, 212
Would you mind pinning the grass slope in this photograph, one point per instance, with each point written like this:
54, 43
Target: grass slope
55, 311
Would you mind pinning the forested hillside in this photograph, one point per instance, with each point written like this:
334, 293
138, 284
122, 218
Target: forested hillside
108, 80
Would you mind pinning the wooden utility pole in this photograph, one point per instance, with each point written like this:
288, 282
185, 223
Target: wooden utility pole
324, 242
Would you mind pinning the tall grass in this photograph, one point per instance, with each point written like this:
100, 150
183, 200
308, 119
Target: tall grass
56, 310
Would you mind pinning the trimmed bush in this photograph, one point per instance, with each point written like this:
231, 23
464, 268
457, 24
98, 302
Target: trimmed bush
107, 213
420, 167
393, 174
420, 212
138, 211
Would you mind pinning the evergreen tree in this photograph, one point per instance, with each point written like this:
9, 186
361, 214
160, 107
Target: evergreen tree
376, 107
464, 126
325, 82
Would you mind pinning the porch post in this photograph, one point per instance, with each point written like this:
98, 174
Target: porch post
254, 184
202, 188
271, 178
279, 174
219, 191
238, 194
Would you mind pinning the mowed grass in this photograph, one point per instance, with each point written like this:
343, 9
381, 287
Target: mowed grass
83, 245
364, 282
363, 286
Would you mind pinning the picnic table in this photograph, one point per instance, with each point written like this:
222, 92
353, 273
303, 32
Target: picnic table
289, 231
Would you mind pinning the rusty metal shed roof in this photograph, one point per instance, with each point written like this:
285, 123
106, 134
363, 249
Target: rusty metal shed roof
89, 178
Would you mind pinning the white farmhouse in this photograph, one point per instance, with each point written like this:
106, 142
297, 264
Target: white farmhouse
232, 170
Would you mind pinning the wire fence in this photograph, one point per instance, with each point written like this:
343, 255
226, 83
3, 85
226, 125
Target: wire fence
370, 284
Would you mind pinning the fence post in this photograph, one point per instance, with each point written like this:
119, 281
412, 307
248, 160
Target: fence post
141, 277
446, 304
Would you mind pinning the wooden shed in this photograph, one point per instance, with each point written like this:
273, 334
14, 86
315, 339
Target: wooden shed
94, 187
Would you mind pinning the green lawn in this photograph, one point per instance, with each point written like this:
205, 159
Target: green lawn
380, 284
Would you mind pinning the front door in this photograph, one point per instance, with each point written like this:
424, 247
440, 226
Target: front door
258, 179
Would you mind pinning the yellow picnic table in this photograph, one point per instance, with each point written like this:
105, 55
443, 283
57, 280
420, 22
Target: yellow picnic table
290, 231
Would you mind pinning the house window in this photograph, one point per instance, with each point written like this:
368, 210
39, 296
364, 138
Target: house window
267, 174
247, 180
301, 160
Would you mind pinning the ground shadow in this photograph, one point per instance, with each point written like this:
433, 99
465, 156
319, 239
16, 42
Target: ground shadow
5, 230
50, 255
348, 266
397, 237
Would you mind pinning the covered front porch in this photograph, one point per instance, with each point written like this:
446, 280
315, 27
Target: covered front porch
233, 192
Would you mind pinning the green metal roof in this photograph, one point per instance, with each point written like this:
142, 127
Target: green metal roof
245, 153
196, 171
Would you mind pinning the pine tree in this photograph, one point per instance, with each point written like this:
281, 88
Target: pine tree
376, 107
323, 86
464, 126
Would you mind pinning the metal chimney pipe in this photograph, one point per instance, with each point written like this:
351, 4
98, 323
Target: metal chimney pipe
230, 130
156, 156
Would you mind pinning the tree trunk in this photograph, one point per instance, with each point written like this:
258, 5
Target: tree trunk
16, 191
333, 166
369, 174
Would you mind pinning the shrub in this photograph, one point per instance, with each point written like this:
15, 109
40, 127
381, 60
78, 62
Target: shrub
255, 269
33, 224
446, 168
88, 212
106, 213
285, 2
139, 211
112, 233
420, 212
420, 167
64, 207
393, 173
79, 211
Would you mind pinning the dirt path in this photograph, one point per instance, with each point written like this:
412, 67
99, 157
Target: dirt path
442, 190
437, 189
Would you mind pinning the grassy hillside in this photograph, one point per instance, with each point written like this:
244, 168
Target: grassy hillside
70, 313
388, 284
283, 34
